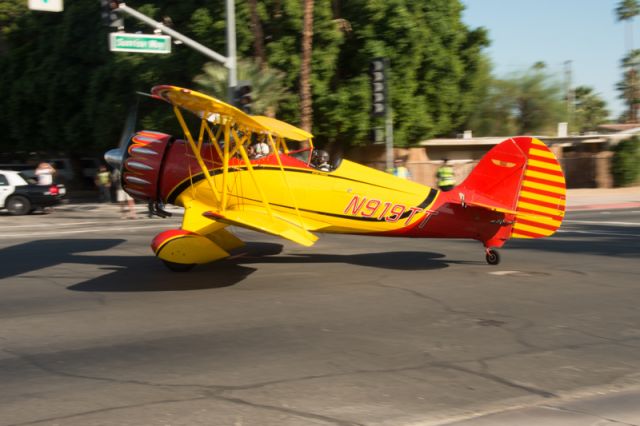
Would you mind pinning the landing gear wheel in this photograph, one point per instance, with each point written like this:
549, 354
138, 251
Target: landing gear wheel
493, 257
178, 267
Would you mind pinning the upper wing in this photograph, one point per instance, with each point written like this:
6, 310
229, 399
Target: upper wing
280, 128
206, 107
213, 109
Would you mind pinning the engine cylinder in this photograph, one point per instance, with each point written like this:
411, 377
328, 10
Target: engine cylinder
142, 164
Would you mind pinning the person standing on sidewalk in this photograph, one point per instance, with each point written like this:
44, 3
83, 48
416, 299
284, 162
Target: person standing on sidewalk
103, 182
400, 169
446, 176
127, 203
44, 173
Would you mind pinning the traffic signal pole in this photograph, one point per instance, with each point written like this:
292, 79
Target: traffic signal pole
229, 61
389, 135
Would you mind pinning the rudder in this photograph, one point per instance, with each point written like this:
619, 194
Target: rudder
520, 177
542, 198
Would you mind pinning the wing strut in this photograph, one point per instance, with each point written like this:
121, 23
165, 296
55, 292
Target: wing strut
247, 162
286, 180
196, 152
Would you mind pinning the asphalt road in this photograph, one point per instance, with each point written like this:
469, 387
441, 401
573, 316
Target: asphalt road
353, 331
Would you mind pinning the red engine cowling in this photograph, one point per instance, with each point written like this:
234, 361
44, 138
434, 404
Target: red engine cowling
142, 164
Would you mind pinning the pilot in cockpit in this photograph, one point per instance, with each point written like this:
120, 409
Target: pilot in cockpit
258, 149
320, 160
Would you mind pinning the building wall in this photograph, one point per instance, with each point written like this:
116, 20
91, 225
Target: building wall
582, 169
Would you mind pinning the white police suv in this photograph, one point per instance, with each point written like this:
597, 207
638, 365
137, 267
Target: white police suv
19, 196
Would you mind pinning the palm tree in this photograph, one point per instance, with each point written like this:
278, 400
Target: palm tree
629, 88
258, 35
267, 85
590, 109
306, 115
626, 11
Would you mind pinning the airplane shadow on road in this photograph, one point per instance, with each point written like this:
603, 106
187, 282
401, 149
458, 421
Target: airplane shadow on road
124, 273
146, 273
398, 260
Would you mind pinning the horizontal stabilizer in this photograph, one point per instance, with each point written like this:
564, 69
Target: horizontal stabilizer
263, 222
499, 209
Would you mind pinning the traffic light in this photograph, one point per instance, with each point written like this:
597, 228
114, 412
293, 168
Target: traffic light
110, 15
378, 87
243, 96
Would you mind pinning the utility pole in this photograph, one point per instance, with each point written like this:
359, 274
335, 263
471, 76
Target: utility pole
569, 91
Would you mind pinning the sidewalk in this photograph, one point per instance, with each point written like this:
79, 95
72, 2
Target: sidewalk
603, 198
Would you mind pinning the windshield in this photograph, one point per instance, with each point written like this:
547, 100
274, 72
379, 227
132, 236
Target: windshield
303, 155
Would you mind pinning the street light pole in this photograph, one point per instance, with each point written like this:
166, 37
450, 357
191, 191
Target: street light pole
232, 64
229, 62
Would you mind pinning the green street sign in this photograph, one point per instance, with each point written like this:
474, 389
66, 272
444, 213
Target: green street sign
46, 5
141, 43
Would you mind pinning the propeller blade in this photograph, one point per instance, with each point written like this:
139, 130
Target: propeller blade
114, 157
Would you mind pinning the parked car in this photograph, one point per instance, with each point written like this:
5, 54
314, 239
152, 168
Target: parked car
19, 196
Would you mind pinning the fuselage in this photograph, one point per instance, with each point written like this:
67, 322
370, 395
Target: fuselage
351, 199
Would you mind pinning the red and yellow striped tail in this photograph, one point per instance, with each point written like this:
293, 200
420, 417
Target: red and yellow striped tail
542, 198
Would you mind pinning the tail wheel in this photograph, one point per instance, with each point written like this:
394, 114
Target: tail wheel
18, 205
493, 257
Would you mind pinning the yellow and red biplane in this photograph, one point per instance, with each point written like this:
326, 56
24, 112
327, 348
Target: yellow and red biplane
260, 173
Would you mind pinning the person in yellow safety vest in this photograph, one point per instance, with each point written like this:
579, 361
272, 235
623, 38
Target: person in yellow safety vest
446, 176
400, 170
103, 182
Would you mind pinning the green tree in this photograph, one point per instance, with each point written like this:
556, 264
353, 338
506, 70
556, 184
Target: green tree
539, 102
629, 87
589, 109
528, 102
64, 91
495, 114
432, 89
10, 12
625, 165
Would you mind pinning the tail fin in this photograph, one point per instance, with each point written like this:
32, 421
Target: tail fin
520, 176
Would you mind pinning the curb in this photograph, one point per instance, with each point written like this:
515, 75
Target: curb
628, 205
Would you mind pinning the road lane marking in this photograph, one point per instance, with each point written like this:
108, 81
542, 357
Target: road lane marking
48, 225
